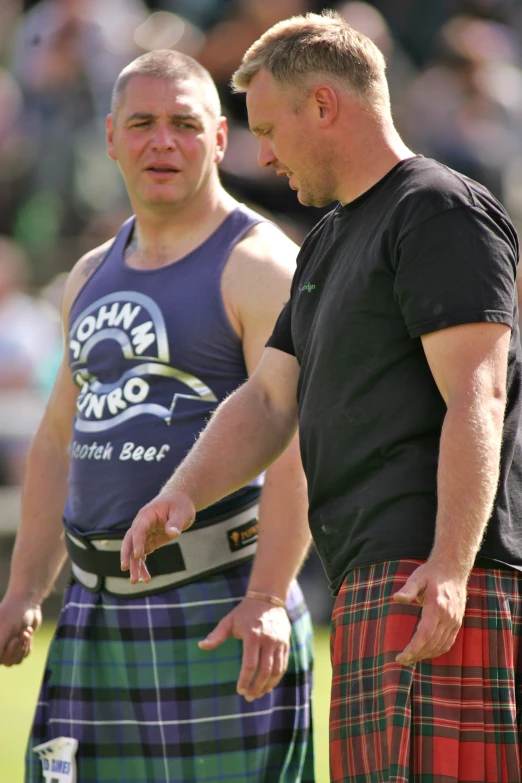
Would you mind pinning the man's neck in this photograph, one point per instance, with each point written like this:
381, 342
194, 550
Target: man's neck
378, 153
162, 235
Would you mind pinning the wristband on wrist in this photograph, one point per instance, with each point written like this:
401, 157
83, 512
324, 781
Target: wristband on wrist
270, 599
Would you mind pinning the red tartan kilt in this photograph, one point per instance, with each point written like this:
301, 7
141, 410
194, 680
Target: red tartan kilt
451, 719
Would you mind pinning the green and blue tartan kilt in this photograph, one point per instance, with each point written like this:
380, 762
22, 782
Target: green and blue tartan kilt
450, 719
126, 678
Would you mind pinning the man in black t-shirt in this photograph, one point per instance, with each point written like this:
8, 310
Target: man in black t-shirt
399, 355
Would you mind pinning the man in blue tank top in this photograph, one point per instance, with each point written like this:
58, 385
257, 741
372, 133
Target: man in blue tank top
203, 673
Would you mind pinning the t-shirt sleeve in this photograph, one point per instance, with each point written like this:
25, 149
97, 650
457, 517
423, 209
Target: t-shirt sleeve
458, 267
281, 337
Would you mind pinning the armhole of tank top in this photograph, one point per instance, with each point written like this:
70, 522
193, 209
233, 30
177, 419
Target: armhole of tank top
237, 239
102, 263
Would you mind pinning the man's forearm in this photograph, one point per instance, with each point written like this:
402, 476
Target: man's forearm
467, 481
39, 551
244, 436
284, 532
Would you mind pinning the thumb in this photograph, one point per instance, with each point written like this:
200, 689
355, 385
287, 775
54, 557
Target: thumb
412, 589
177, 522
220, 634
36, 619
174, 526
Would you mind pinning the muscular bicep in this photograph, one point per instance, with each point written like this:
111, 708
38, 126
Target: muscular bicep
469, 360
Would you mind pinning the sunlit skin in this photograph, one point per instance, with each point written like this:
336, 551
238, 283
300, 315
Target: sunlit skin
333, 147
167, 144
289, 141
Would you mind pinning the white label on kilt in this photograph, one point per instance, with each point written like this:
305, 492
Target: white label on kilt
58, 759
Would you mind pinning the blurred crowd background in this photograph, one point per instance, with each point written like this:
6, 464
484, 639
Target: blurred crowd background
455, 74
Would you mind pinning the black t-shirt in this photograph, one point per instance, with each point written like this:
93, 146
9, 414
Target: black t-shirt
423, 249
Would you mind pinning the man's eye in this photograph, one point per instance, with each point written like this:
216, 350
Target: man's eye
143, 124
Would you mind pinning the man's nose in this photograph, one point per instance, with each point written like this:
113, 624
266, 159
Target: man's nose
164, 138
265, 156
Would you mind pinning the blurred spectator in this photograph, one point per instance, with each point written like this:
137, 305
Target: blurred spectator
30, 346
65, 56
29, 327
202, 13
10, 11
465, 107
227, 42
164, 30
221, 54
415, 23
15, 151
68, 45
400, 69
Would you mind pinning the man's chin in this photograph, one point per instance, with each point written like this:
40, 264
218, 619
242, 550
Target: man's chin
309, 199
162, 199
303, 197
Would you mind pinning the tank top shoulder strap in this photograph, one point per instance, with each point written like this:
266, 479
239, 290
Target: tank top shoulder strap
232, 230
117, 248
112, 258
235, 226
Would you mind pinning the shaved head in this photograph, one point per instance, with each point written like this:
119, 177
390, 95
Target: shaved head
170, 65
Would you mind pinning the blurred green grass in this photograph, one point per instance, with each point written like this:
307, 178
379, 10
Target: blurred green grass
19, 687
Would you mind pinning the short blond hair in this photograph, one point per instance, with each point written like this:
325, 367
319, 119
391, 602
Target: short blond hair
170, 65
325, 44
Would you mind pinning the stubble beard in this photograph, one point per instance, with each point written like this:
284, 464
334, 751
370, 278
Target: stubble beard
318, 193
309, 196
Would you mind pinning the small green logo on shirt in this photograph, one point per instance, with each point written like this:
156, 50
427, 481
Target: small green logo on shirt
308, 287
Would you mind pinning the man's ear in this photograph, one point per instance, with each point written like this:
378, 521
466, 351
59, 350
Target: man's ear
109, 135
221, 140
326, 104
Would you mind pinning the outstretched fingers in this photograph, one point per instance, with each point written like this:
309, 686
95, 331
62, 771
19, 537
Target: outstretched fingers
155, 525
147, 533
135, 540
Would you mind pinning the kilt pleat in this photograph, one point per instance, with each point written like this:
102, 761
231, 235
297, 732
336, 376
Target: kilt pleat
451, 719
127, 679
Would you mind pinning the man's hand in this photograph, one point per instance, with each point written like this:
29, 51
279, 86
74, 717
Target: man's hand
265, 632
443, 601
157, 523
18, 621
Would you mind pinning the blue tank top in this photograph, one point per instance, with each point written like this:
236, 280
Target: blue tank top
153, 353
